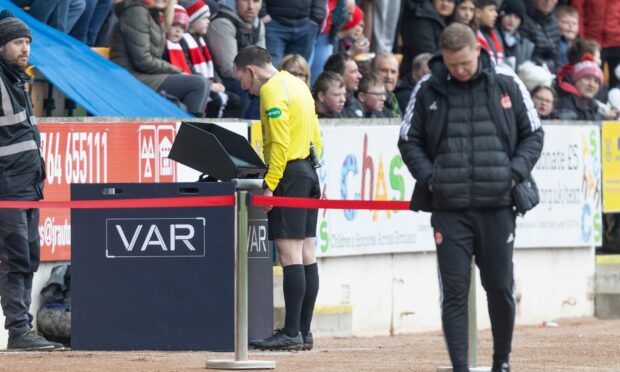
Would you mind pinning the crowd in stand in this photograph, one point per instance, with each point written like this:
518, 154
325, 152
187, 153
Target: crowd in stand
361, 58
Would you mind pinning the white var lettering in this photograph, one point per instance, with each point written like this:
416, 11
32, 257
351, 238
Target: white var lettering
182, 232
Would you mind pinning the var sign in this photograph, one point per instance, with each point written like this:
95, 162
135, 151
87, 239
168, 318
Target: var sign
155, 237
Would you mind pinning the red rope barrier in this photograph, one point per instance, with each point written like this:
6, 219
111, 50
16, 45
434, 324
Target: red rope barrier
194, 201
279, 201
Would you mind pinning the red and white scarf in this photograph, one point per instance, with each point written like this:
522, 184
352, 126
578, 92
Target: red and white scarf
199, 56
176, 57
497, 51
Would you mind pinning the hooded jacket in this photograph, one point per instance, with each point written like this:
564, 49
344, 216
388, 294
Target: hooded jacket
544, 32
469, 140
21, 166
138, 43
421, 27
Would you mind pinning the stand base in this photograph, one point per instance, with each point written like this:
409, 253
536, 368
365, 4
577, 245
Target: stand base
471, 369
240, 364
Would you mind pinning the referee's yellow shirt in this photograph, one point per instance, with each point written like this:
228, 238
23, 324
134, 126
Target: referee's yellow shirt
289, 124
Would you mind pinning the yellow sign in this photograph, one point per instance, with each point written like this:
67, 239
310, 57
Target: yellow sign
256, 137
611, 166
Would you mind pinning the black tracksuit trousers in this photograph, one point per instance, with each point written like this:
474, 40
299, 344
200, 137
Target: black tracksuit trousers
488, 235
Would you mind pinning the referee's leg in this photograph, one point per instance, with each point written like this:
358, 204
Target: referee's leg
293, 283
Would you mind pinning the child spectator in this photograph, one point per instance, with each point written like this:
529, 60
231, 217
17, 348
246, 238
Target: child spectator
588, 80
486, 15
465, 13
345, 66
568, 18
351, 38
544, 101
517, 48
221, 103
330, 95
138, 45
297, 66
372, 95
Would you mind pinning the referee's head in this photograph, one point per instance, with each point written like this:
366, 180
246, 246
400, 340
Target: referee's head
252, 67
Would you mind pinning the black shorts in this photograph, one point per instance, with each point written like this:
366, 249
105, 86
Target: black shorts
299, 180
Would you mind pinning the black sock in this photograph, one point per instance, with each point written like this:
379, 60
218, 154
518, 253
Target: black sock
294, 285
312, 289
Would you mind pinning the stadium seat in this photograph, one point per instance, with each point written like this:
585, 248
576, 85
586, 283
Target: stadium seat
104, 52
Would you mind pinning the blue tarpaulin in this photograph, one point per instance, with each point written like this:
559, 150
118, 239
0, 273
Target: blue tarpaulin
100, 86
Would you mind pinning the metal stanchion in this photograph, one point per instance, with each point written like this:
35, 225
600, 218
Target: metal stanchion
472, 326
241, 296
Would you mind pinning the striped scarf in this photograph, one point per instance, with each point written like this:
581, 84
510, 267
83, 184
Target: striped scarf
496, 50
176, 57
199, 56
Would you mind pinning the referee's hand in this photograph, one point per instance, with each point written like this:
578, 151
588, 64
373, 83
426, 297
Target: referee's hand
267, 208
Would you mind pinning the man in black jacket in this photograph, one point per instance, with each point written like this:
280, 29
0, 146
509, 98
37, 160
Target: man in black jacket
21, 178
469, 135
541, 27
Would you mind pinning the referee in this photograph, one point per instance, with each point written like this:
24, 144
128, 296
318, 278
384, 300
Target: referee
290, 128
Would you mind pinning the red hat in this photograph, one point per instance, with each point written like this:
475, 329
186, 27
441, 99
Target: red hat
196, 9
356, 18
587, 66
181, 17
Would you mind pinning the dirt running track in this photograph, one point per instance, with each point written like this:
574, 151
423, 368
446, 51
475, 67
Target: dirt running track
582, 344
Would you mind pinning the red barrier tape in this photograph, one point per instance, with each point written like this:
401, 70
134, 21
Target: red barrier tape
279, 201
194, 201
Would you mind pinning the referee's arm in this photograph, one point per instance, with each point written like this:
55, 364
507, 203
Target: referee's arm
279, 130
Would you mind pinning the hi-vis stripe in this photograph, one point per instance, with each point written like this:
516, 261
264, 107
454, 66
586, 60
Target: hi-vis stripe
18, 147
532, 114
406, 123
10, 117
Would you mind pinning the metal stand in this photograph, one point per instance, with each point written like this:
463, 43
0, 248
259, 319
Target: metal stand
473, 327
241, 296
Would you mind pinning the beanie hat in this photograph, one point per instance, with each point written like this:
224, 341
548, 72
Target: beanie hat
355, 19
181, 17
12, 28
587, 66
196, 9
512, 7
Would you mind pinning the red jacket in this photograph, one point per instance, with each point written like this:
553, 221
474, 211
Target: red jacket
599, 20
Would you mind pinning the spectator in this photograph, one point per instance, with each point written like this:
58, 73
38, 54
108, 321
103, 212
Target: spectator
486, 15
297, 66
107, 28
544, 100
221, 103
385, 65
541, 28
517, 49
60, 14
351, 38
230, 31
422, 22
292, 26
383, 25
138, 46
89, 24
405, 85
346, 67
600, 20
568, 19
22, 172
465, 12
330, 95
588, 80
371, 95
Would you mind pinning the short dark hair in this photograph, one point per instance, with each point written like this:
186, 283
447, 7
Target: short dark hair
538, 88
325, 80
480, 4
565, 10
369, 79
375, 61
252, 55
336, 63
580, 47
456, 37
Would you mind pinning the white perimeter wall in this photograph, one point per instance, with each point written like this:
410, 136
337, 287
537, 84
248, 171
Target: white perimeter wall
399, 293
